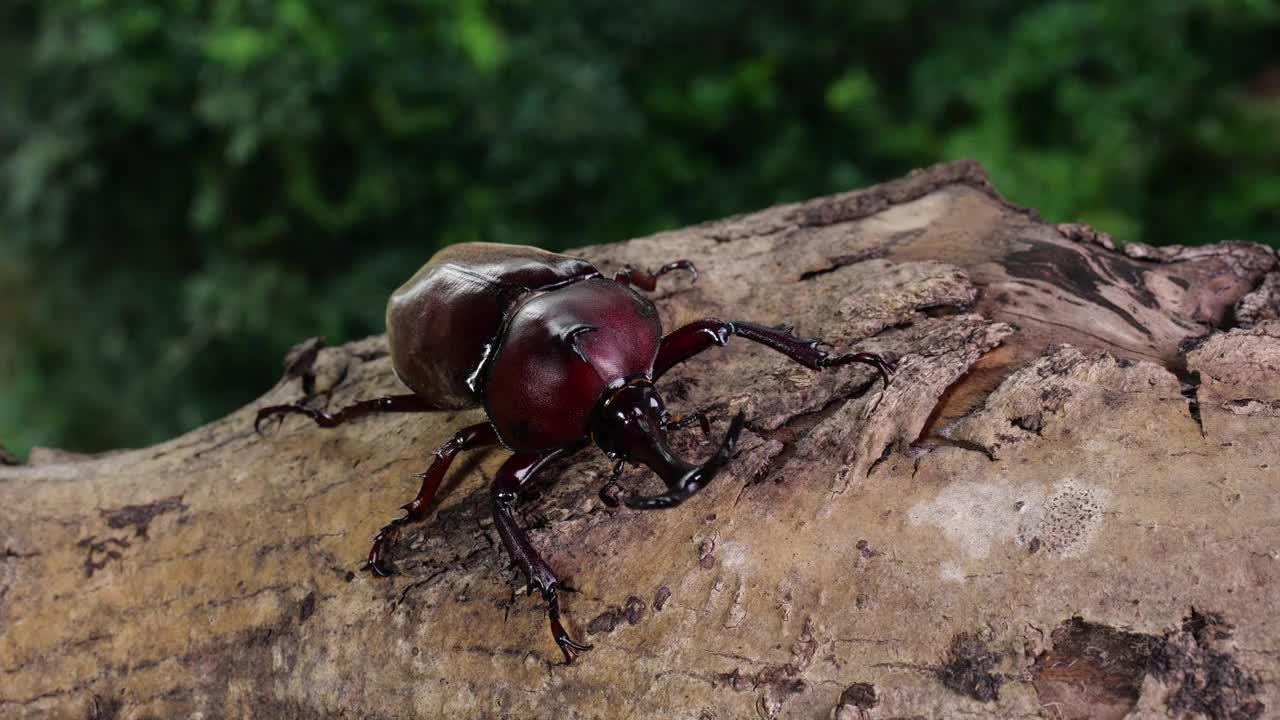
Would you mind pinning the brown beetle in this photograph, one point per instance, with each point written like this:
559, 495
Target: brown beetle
558, 356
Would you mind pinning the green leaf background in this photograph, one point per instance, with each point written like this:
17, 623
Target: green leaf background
188, 187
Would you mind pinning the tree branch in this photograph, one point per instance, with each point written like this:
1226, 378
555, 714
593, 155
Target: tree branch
1110, 546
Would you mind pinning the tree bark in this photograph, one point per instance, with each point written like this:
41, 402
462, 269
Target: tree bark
1065, 505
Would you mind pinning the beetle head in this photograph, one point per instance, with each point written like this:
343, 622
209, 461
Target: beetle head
630, 424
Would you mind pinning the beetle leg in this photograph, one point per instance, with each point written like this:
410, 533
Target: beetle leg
646, 280
391, 403
689, 340
468, 438
516, 471
886, 366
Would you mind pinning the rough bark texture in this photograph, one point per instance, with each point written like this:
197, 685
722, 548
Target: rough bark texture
1066, 505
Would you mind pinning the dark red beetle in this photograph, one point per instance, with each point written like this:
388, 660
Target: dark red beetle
559, 356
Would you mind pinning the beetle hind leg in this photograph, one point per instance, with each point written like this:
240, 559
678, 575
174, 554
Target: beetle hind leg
391, 403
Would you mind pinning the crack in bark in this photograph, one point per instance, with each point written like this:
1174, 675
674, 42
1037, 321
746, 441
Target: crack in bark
1105, 341
840, 261
1191, 391
796, 427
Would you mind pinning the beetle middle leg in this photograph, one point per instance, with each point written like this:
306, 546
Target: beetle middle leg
685, 342
516, 471
416, 510
648, 281
408, 402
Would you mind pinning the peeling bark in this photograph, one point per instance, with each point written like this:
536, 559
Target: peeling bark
1064, 506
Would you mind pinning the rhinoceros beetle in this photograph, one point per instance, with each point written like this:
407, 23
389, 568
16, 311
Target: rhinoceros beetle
559, 356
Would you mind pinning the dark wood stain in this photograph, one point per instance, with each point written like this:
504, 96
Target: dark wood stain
140, 516
1073, 272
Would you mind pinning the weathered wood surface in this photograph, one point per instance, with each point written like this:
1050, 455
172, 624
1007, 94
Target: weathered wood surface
1066, 505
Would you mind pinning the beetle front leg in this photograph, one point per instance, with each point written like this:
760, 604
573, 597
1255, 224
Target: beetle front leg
416, 510
518, 470
609, 499
391, 403
688, 485
700, 418
648, 281
689, 340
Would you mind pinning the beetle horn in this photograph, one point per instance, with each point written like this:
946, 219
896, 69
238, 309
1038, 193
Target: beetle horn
631, 424
694, 478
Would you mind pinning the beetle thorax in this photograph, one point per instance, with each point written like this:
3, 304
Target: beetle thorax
561, 352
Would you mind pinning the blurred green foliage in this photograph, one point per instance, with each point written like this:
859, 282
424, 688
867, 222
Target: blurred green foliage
190, 186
